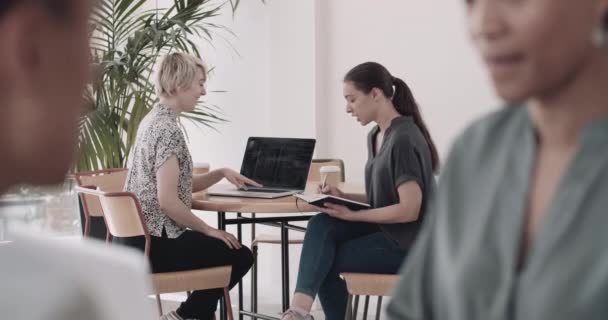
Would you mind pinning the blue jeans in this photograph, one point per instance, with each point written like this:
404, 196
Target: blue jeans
332, 246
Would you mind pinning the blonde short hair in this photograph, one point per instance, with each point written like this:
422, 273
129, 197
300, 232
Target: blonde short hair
176, 70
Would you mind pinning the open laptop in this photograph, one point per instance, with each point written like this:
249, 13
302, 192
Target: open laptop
281, 165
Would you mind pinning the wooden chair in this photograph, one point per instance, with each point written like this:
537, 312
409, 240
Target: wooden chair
106, 180
367, 284
313, 176
124, 218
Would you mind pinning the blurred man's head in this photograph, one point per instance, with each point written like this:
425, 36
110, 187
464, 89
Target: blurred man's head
44, 66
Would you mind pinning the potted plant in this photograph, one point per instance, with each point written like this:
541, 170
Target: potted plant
126, 41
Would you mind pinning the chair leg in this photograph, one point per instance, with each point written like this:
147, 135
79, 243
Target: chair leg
228, 304
160, 305
349, 307
356, 308
379, 308
222, 308
87, 226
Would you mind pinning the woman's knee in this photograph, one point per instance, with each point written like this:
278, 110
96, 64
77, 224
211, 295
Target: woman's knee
320, 222
243, 259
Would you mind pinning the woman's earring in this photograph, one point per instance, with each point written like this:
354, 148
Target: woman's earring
599, 37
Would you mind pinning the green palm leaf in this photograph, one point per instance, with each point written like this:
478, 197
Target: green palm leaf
126, 42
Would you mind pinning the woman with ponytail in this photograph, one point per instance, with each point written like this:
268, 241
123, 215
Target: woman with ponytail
398, 181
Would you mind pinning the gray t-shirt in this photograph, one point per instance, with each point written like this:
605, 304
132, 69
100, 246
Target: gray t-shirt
464, 265
404, 156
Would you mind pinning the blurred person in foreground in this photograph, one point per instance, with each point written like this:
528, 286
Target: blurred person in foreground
517, 229
43, 71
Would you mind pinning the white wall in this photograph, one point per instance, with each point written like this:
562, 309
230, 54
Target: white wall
292, 68
242, 71
422, 42
287, 81
270, 88
269, 84
292, 55
240, 79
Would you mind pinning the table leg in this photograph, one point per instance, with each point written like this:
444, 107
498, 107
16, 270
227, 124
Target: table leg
223, 309
254, 271
221, 225
221, 220
285, 264
239, 234
239, 229
284, 226
252, 227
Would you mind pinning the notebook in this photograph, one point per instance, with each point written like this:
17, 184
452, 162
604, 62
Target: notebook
320, 200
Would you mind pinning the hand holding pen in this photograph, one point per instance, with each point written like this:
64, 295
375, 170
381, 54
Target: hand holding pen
325, 188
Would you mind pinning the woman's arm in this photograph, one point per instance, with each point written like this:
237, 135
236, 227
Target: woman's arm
407, 210
203, 181
167, 184
359, 197
335, 191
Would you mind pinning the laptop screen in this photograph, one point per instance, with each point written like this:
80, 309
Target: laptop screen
278, 162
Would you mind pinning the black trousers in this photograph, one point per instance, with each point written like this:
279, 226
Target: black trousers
194, 250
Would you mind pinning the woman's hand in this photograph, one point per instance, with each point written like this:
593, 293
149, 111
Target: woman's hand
228, 238
338, 211
331, 190
238, 180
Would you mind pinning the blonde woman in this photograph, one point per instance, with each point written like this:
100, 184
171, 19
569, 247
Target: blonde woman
160, 174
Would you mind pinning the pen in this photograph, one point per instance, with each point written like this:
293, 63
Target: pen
323, 183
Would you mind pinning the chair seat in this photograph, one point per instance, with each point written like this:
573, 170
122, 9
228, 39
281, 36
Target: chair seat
267, 238
370, 284
201, 279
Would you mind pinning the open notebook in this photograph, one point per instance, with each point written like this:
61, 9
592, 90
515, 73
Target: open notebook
320, 200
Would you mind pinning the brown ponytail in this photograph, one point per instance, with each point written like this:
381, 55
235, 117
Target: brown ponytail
369, 75
404, 102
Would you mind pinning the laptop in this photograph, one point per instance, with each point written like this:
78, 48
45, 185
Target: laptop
281, 165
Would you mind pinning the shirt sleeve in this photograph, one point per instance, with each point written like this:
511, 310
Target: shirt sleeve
410, 299
170, 142
406, 164
414, 294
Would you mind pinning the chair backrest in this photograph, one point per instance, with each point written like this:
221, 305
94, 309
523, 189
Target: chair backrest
315, 166
121, 212
111, 180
